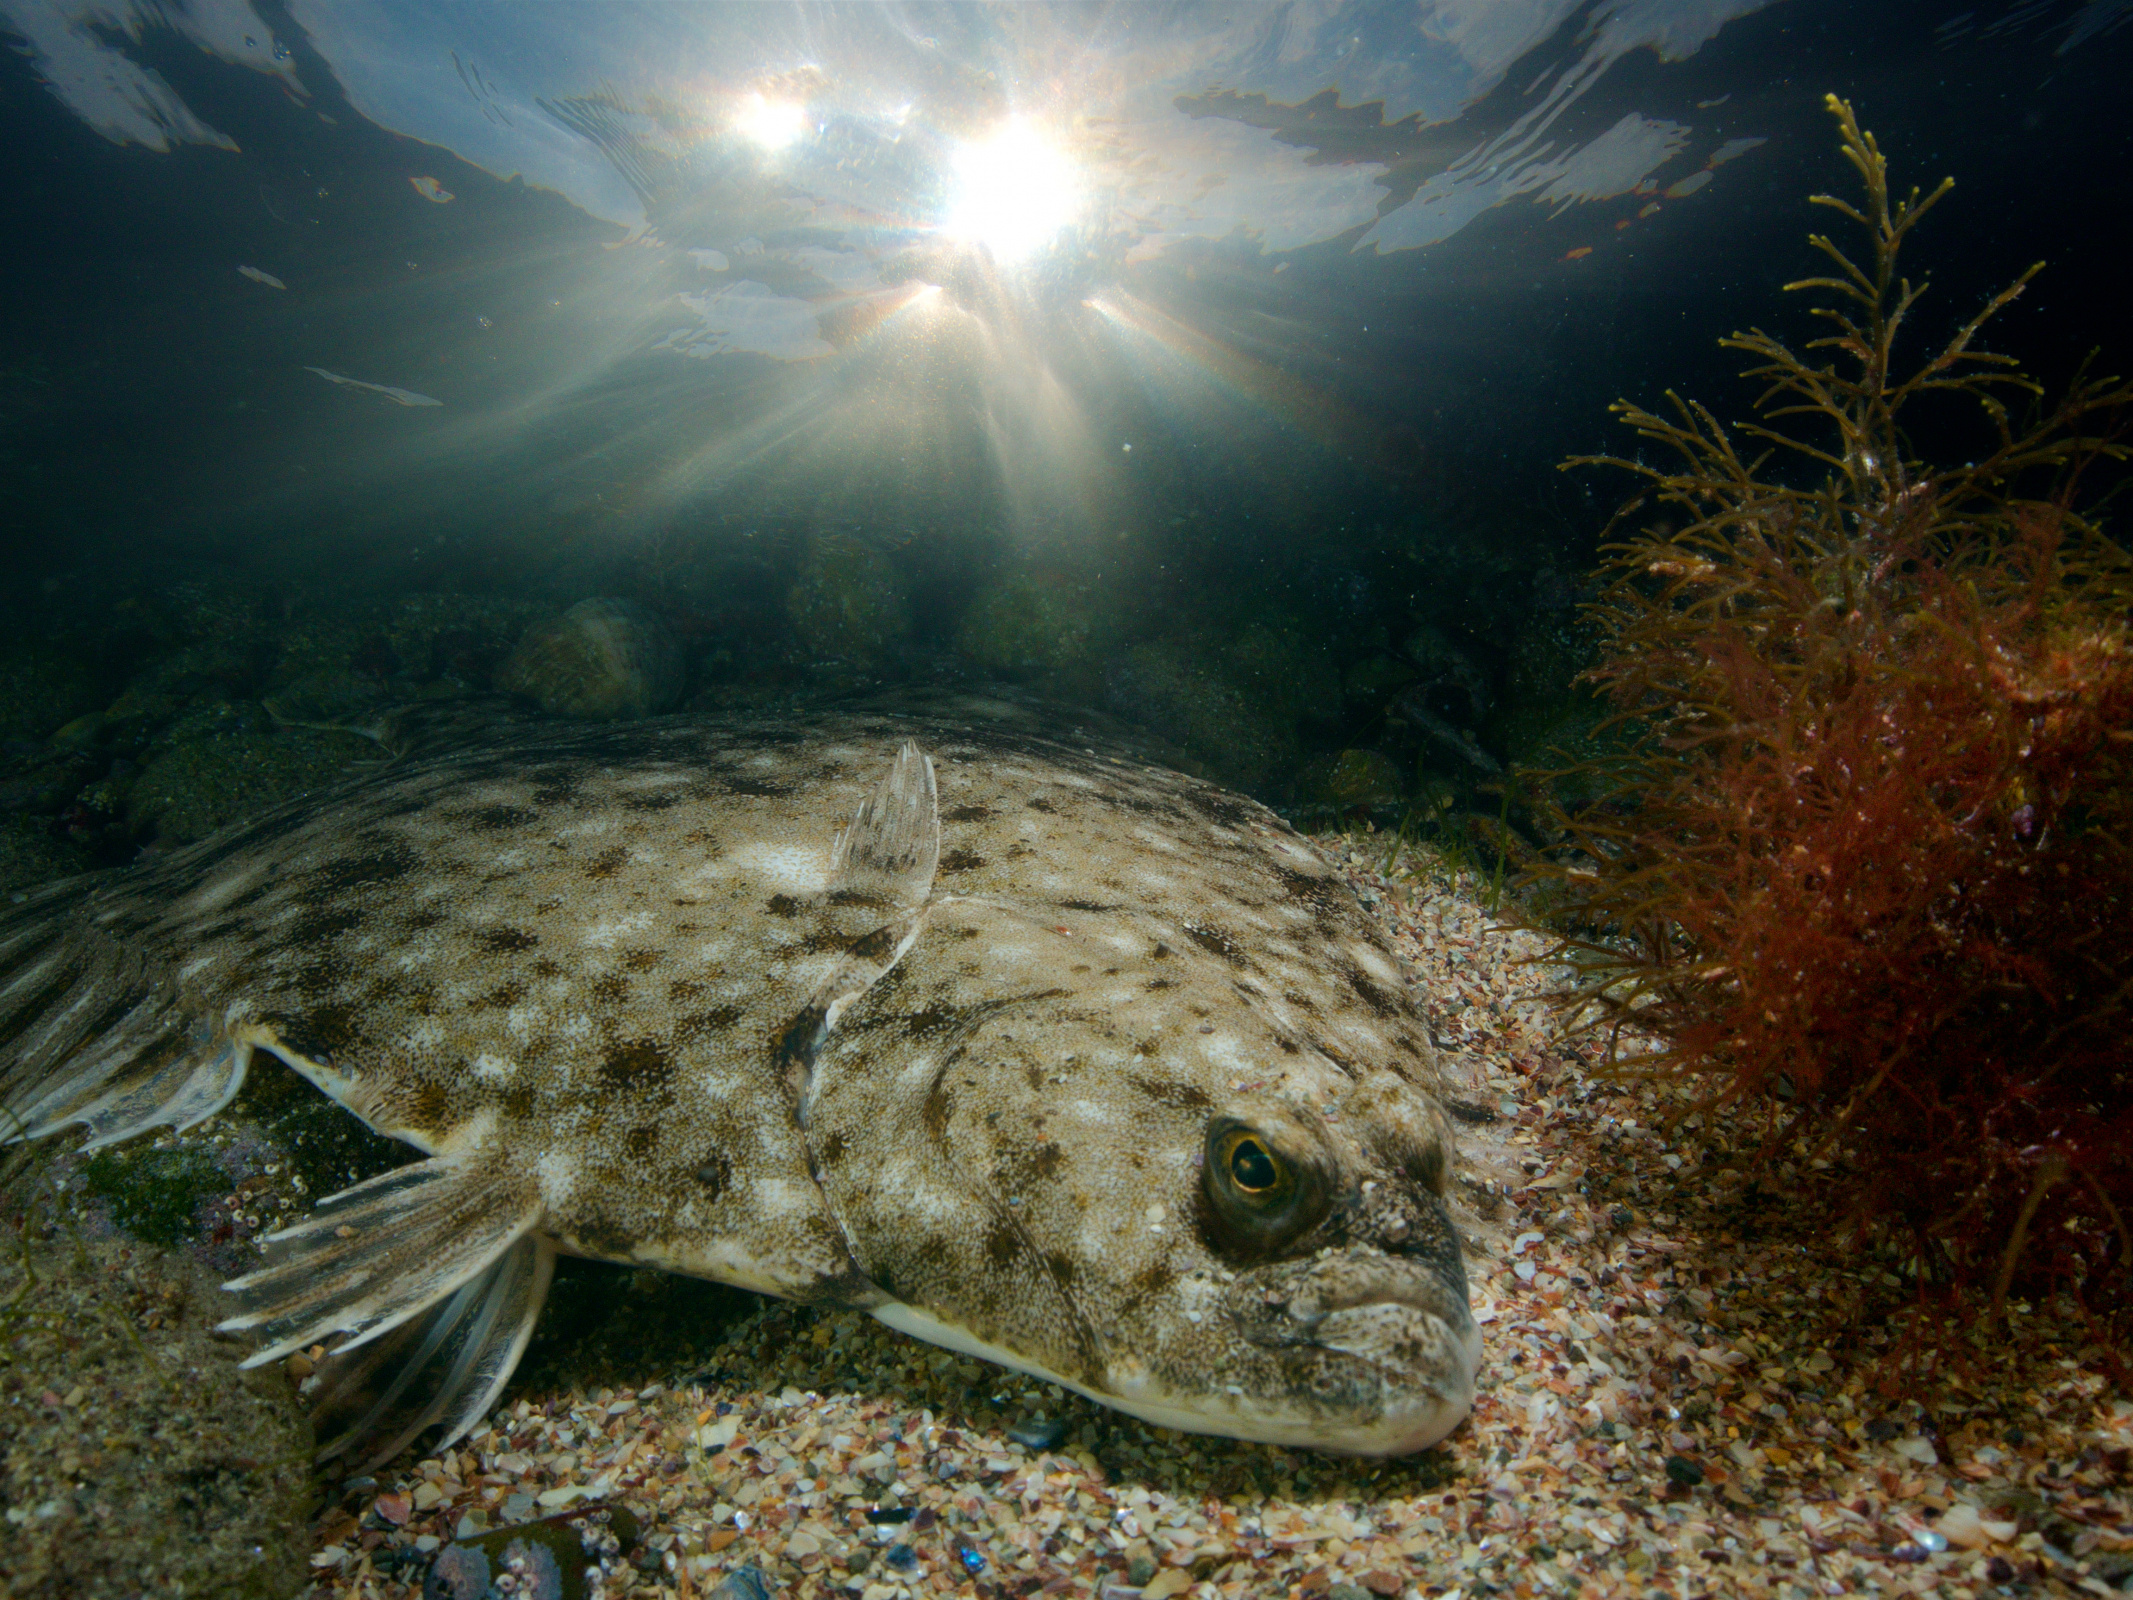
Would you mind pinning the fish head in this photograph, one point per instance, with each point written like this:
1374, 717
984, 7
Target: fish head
1153, 1188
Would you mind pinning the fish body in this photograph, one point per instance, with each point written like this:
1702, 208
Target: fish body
402, 397
961, 1016
259, 276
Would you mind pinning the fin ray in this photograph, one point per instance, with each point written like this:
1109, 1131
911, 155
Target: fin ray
455, 1359
892, 846
371, 1257
93, 1029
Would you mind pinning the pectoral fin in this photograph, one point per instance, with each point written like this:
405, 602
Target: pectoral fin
372, 1257
862, 966
445, 1366
892, 845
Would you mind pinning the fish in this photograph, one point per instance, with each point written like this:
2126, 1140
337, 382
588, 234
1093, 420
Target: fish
405, 397
431, 190
258, 276
956, 1009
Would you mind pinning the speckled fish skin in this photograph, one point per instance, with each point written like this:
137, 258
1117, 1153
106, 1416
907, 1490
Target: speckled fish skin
574, 965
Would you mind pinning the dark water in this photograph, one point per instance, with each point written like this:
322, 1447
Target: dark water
1253, 442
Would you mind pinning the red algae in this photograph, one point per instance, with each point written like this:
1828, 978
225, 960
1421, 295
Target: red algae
1865, 865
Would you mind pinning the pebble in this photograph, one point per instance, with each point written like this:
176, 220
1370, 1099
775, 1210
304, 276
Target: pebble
1038, 1434
744, 1583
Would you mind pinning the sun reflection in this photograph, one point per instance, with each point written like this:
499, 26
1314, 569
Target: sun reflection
1014, 192
773, 124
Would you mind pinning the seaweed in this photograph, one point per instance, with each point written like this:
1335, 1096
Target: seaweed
1864, 865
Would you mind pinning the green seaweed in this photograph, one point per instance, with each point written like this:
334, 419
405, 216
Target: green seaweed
155, 1193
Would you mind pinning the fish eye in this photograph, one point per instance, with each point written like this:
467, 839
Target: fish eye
1253, 1168
1259, 1199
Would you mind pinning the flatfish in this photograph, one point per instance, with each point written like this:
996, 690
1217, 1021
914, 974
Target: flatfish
949, 1010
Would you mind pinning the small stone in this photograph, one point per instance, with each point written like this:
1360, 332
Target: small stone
393, 1508
744, 1583
1381, 1582
1348, 1591
903, 1558
1037, 1434
1684, 1472
1139, 1570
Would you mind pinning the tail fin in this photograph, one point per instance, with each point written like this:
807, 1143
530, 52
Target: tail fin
92, 1031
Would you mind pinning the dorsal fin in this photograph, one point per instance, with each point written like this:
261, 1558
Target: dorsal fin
892, 845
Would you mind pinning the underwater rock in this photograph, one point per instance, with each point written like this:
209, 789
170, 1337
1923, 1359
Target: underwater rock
1442, 666
1286, 667
1167, 687
1352, 778
601, 659
326, 699
1548, 721
848, 600
1230, 698
1366, 683
145, 1460
1030, 624
224, 762
30, 855
42, 689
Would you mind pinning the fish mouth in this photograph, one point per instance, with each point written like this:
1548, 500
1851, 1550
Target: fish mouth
1380, 1352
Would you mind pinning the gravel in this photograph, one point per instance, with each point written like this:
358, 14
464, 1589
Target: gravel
1694, 1385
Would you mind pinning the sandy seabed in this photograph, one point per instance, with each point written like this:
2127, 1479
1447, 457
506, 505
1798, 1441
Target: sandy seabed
1692, 1385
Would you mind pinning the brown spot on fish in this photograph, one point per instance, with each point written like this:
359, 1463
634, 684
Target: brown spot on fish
1215, 942
427, 1109
1178, 1096
321, 926
640, 960
967, 814
961, 861
639, 1143
506, 941
320, 1034
608, 862
495, 817
1001, 1245
635, 1064
782, 905
610, 989
935, 1112
1370, 994
355, 872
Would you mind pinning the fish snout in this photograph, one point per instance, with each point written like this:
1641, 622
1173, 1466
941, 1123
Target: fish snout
1382, 1334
